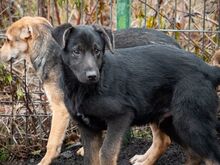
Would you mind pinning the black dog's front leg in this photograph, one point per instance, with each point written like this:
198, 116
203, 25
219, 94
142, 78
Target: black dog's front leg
116, 128
92, 142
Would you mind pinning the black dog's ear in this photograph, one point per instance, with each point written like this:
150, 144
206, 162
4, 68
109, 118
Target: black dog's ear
107, 35
60, 34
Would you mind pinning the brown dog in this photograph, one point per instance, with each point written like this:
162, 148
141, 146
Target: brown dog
27, 38
30, 38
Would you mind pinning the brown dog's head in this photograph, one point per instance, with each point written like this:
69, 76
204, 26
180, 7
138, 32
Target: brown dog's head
20, 37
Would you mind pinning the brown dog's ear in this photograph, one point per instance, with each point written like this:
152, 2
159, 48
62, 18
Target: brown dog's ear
61, 33
107, 35
26, 32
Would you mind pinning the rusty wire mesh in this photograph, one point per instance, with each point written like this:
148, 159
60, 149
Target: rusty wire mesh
24, 111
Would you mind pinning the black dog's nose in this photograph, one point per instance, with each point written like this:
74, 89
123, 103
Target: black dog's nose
91, 75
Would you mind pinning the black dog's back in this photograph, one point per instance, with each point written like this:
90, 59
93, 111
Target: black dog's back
144, 71
132, 37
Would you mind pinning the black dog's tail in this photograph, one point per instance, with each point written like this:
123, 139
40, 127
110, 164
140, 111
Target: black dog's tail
194, 120
201, 138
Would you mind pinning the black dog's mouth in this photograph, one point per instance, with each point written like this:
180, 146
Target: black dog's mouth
89, 82
93, 81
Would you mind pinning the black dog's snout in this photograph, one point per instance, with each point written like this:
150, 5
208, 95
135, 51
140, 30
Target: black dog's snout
91, 75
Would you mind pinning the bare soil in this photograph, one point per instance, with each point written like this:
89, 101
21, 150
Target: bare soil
173, 156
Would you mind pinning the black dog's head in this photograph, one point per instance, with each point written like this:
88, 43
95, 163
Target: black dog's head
83, 48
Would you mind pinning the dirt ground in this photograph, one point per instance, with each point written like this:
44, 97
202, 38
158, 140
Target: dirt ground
173, 156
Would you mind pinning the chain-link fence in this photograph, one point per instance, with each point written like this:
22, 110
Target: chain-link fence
24, 112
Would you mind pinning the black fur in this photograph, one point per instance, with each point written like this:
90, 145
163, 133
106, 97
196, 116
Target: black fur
132, 37
141, 85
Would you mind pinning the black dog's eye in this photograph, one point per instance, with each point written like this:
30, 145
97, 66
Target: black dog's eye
76, 51
96, 51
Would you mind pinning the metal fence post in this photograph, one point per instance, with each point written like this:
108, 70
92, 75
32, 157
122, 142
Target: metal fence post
123, 14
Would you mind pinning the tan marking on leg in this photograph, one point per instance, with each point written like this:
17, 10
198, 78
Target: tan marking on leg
92, 142
114, 155
60, 121
159, 145
96, 145
112, 142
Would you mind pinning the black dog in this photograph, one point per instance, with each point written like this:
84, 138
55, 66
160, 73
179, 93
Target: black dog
135, 86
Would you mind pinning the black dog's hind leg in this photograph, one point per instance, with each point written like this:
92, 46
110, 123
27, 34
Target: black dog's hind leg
116, 128
159, 145
194, 106
92, 142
